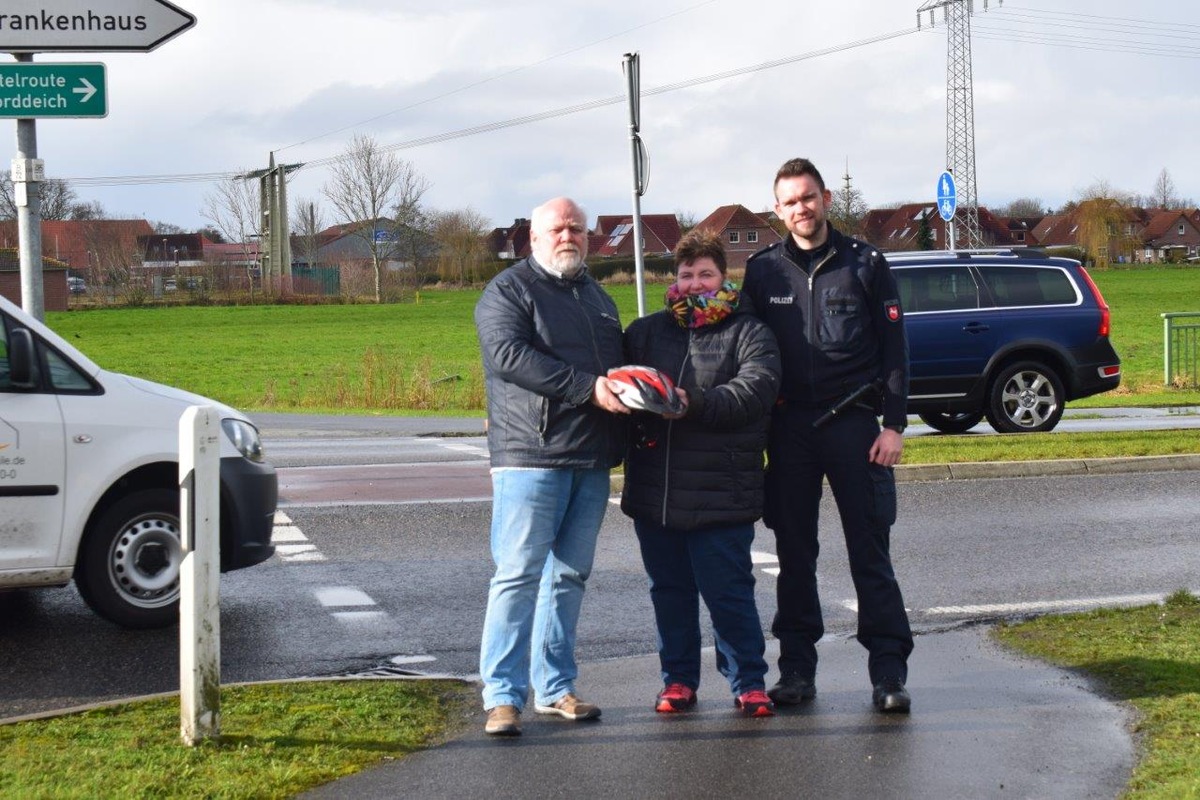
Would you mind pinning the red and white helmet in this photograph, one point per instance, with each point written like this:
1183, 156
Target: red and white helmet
646, 389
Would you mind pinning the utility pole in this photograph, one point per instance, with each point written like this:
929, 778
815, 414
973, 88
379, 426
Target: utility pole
275, 245
960, 111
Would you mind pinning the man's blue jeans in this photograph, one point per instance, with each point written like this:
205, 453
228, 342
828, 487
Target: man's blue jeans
544, 528
715, 564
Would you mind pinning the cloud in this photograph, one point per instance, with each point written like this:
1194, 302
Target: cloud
300, 78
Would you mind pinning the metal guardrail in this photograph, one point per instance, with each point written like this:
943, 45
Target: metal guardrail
1181, 349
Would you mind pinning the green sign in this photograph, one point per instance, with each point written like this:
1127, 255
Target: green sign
38, 89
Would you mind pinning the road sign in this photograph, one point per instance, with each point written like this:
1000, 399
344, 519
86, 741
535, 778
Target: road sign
43, 26
42, 89
947, 199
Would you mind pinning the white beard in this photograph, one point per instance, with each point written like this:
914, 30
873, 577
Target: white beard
565, 265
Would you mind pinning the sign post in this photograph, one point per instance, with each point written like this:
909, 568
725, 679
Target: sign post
947, 202
29, 90
200, 574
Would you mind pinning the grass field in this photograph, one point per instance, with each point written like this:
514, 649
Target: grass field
422, 355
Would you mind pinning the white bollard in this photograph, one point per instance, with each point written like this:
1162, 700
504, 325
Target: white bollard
200, 575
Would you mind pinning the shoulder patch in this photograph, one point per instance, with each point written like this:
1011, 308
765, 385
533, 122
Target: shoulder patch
892, 309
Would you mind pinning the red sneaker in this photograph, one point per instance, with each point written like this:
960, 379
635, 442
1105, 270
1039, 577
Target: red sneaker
675, 697
755, 703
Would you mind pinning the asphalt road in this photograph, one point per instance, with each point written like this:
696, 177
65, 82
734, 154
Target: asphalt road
402, 586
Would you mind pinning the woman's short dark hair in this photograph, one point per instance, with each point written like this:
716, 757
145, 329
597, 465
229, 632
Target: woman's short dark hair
698, 243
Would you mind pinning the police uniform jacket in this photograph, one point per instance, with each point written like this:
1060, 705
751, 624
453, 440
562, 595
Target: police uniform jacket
839, 326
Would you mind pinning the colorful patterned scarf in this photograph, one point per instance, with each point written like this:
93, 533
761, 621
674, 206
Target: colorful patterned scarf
697, 310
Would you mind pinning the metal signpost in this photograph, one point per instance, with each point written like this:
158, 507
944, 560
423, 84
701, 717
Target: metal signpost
29, 91
947, 202
53, 90
631, 65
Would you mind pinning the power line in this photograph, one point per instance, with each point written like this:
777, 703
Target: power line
134, 180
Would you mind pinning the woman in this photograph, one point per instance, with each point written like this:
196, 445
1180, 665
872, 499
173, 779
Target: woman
694, 481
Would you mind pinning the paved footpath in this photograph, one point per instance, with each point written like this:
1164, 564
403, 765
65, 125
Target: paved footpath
985, 724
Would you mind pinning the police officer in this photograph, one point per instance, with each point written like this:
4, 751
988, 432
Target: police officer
833, 305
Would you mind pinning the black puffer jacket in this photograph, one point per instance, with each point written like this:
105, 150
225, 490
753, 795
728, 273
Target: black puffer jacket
706, 469
544, 341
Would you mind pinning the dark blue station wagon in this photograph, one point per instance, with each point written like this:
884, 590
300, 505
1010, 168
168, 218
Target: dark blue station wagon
1007, 334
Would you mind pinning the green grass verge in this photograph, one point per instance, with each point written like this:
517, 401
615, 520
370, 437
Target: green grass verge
421, 356
1149, 657
942, 449
277, 740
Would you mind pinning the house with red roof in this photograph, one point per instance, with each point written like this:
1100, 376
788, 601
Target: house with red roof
895, 230
86, 245
614, 234
511, 242
1170, 235
743, 231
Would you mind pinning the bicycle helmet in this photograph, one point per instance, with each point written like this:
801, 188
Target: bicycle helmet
646, 389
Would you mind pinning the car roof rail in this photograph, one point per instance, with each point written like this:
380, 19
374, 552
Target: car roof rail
1010, 252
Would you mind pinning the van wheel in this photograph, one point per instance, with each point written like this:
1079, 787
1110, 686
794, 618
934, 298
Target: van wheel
128, 569
1026, 397
952, 423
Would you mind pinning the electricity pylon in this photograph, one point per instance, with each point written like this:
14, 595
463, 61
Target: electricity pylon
275, 248
960, 112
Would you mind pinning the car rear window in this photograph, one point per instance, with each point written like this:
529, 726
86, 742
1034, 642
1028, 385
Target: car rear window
1029, 286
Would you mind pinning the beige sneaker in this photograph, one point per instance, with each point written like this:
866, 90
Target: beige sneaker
570, 707
503, 721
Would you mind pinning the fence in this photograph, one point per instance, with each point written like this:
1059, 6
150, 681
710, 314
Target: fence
1181, 349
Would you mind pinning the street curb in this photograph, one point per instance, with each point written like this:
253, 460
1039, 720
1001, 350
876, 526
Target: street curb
975, 470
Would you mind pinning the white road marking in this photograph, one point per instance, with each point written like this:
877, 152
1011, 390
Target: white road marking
361, 619
286, 550
291, 545
287, 533
465, 448
850, 605
759, 557
771, 570
343, 596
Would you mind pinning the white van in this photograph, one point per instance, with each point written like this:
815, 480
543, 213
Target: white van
89, 479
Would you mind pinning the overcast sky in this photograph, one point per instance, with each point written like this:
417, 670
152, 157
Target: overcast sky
1067, 93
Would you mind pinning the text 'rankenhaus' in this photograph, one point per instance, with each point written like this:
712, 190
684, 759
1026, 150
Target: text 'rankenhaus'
72, 22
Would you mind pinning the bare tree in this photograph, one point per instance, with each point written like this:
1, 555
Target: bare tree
307, 222
88, 211
1163, 195
687, 220
461, 244
57, 198
369, 182
1023, 207
234, 209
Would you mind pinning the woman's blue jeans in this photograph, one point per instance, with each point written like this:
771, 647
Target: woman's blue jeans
544, 528
712, 563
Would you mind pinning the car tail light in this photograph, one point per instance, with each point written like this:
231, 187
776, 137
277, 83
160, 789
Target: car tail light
1105, 314
1111, 371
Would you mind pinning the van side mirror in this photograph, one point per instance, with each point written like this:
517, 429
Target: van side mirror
20, 359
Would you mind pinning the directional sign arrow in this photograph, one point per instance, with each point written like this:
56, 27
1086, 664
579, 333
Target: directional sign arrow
87, 90
90, 26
